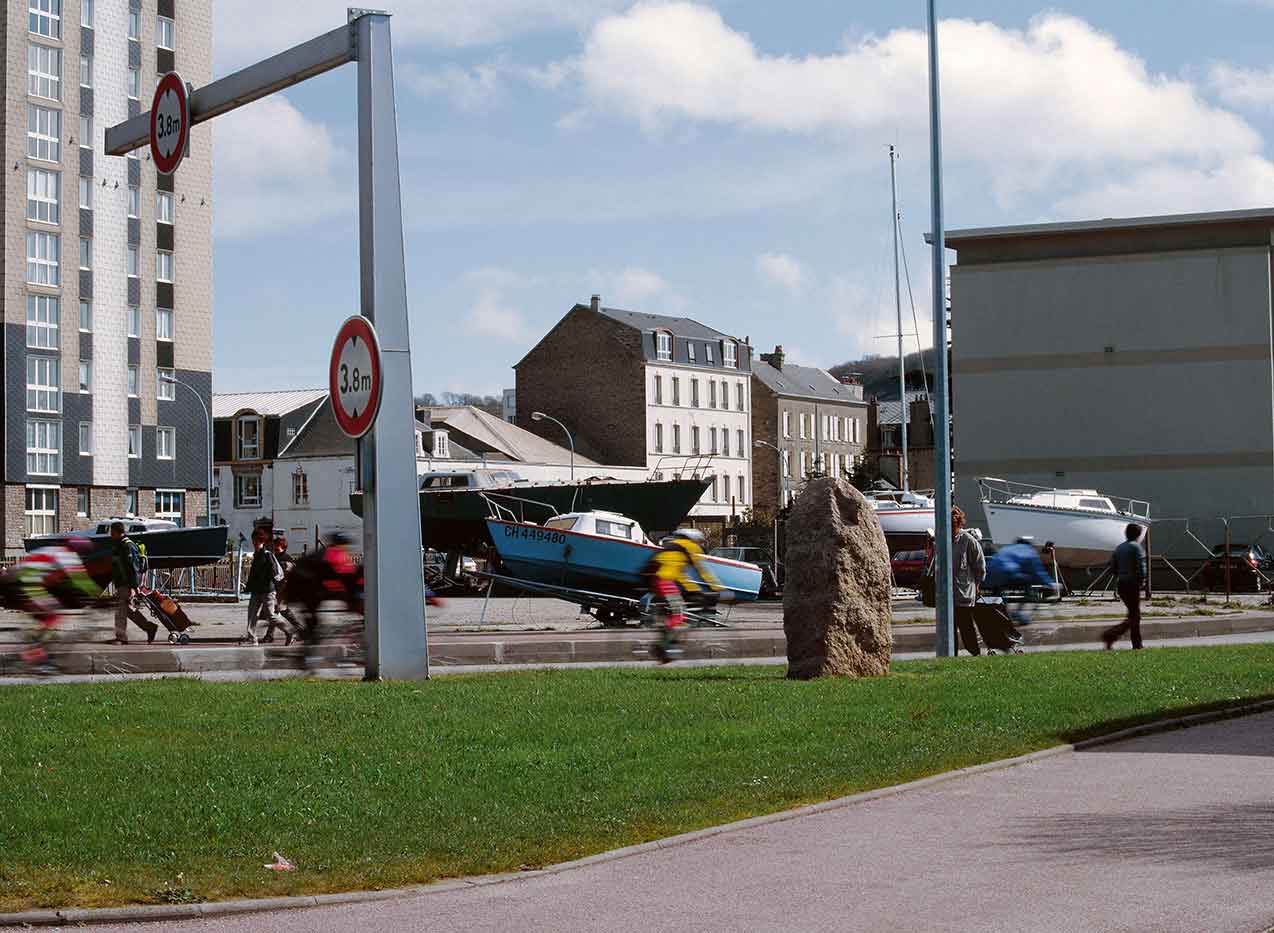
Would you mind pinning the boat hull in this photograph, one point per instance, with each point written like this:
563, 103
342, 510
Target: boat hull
1083, 539
168, 549
597, 562
898, 522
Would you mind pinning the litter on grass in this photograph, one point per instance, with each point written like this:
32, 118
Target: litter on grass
281, 864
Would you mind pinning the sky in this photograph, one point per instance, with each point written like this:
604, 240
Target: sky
726, 161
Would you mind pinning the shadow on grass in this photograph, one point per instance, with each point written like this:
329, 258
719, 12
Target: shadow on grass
1183, 741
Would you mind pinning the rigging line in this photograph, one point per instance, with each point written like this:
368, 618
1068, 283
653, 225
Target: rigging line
915, 321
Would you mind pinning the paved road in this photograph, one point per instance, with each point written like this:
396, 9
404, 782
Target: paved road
1164, 833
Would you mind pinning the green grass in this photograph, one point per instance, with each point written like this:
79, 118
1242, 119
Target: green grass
167, 791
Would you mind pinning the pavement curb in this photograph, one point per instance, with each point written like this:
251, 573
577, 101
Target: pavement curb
165, 912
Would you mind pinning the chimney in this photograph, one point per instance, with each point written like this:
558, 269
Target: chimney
775, 359
596, 303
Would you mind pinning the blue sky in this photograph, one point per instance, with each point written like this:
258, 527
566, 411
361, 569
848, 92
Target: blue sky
722, 160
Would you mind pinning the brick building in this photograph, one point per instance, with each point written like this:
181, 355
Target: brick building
666, 393
884, 441
810, 423
107, 270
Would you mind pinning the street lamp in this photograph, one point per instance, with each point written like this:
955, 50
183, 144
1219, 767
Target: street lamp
172, 380
540, 416
774, 558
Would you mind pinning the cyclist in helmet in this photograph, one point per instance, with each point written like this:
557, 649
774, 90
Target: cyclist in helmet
44, 584
678, 568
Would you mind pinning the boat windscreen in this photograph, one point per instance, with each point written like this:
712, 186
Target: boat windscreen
560, 524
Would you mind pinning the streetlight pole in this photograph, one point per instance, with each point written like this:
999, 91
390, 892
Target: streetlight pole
207, 505
540, 416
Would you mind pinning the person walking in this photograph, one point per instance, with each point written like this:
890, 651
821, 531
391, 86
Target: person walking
285, 565
263, 577
968, 570
126, 573
1129, 566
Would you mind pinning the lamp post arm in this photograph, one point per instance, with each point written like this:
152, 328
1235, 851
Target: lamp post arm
207, 504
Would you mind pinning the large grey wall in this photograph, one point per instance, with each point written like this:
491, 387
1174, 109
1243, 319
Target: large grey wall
1144, 375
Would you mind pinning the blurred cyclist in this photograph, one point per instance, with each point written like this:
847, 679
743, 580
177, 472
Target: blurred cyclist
320, 576
678, 569
45, 584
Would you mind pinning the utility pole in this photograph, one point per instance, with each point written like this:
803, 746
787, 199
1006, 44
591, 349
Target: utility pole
902, 359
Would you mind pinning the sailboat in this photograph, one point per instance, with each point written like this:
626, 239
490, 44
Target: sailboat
901, 511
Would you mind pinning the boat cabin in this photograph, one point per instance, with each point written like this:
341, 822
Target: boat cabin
471, 479
1084, 500
136, 526
603, 524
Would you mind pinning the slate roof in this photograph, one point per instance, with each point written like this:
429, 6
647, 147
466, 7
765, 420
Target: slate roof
809, 382
685, 333
500, 436
890, 411
264, 403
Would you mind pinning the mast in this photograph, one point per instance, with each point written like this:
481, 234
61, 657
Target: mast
902, 359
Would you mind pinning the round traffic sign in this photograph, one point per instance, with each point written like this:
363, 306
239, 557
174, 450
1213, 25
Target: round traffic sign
354, 379
169, 123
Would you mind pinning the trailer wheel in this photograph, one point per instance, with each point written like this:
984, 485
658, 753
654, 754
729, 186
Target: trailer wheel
609, 618
183, 639
172, 638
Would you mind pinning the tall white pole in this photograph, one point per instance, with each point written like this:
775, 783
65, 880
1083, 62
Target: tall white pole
902, 362
946, 645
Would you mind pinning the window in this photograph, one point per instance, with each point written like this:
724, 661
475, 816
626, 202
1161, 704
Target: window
134, 83
725, 487
249, 438
43, 190
694, 440
165, 443
44, 133
134, 201
133, 264
132, 380
707, 354
134, 441
442, 444
86, 13
164, 207
714, 489
725, 395
802, 424
676, 390
247, 490
663, 345
165, 32
742, 497
659, 390
712, 393
134, 24
82, 502
676, 438
86, 70
659, 438
130, 501
86, 192
787, 463
86, 131
45, 18
44, 252
300, 488
614, 529
802, 473
42, 322
86, 316
165, 388
163, 266
738, 396
725, 442
41, 510
729, 355
44, 72
86, 253
694, 393
738, 436
787, 424
216, 491
134, 320
163, 324
44, 448
712, 437
86, 438
169, 504
690, 351
86, 376
44, 387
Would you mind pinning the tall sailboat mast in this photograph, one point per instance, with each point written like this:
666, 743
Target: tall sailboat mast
903, 478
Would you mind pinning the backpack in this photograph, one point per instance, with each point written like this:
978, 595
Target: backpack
137, 556
276, 573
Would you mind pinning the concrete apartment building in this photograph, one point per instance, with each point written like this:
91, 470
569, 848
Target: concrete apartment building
817, 423
107, 269
665, 393
1131, 356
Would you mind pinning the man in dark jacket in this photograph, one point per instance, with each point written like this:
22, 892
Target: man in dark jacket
1129, 566
126, 562
263, 577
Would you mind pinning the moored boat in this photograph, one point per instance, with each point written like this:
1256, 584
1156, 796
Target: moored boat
168, 545
902, 512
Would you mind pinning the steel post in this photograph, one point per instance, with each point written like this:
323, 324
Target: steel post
396, 641
945, 642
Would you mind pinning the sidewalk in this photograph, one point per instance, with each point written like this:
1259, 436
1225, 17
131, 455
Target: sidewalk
1165, 832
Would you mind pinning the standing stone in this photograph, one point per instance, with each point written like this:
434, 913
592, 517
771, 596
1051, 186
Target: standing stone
836, 612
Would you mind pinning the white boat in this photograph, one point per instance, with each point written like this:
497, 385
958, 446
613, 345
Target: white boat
901, 511
1084, 525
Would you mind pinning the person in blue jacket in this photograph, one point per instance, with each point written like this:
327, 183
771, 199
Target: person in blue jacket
1017, 566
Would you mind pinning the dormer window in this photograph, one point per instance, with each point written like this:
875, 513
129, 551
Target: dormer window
707, 353
248, 437
729, 355
663, 345
442, 448
690, 351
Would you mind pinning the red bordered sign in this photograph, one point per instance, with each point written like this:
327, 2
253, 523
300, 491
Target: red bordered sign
169, 123
354, 379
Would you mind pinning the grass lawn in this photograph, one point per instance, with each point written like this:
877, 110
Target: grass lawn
167, 791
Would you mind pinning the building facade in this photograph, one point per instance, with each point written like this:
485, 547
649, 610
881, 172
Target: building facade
107, 270
884, 441
811, 423
665, 393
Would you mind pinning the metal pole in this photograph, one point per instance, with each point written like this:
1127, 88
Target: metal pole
208, 424
396, 641
1227, 562
945, 642
902, 363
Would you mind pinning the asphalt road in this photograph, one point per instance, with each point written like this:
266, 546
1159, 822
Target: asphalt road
1167, 832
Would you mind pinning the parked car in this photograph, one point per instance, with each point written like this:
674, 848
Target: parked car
754, 555
908, 568
1250, 568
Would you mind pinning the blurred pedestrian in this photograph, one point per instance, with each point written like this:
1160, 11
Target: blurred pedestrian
127, 570
968, 570
1128, 564
285, 565
263, 576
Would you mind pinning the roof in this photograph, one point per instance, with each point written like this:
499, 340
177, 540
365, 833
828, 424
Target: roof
890, 411
508, 439
693, 343
1257, 215
264, 403
806, 382
679, 326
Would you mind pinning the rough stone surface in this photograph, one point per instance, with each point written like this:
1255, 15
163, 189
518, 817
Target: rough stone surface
836, 613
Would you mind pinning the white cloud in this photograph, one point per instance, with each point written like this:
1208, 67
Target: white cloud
482, 85
635, 284
782, 270
290, 177
1242, 87
1240, 183
492, 316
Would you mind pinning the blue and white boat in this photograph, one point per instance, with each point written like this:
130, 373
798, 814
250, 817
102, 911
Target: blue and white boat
601, 551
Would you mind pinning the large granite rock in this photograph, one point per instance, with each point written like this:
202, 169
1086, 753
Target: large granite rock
836, 591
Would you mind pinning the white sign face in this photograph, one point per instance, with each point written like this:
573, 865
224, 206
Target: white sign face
169, 116
353, 377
